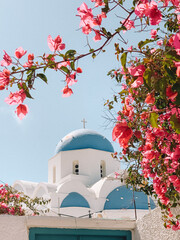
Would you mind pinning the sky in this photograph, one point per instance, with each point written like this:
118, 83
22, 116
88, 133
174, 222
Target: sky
26, 146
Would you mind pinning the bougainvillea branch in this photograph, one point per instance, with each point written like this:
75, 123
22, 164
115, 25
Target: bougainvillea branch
148, 118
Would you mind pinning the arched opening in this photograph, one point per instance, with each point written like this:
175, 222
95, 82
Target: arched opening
122, 198
74, 199
76, 167
54, 174
102, 169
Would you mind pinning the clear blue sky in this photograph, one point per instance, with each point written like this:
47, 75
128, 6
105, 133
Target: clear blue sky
26, 146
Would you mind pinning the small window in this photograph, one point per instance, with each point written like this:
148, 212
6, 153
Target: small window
102, 169
76, 167
54, 174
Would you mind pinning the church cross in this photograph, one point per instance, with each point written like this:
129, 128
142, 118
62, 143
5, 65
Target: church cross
84, 122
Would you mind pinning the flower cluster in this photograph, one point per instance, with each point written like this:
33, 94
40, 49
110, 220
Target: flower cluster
89, 21
16, 203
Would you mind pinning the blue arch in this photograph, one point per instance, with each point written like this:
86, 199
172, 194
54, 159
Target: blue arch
74, 199
122, 198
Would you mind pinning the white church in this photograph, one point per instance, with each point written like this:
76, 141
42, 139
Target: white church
82, 181
87, 202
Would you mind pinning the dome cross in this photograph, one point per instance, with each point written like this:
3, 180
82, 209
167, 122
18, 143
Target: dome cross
84, 122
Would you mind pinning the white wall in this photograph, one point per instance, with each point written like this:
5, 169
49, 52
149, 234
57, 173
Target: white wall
89, 164
17, 228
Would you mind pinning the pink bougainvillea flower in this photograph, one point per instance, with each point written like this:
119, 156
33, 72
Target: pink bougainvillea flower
56, 44
71, 79
67, 91
170, 93
63, 64
87, 18
19, 53
176, 226
128, 24
138, 134
30, 57
86, 29
142, 9
2, 87
16, 98
176, 42
97, 36
4, 77
150, 99
153, 33
152, 50
160, 42
154, 14
137, 83
97, 21
6, 60
122, 133
79, 70
84, 11
130, 48
137, 71
30, 61
21, 111
98, 3
177, 64
116, 174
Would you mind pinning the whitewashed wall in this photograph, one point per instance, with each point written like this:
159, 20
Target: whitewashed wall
150, 227
89, 164
17, 228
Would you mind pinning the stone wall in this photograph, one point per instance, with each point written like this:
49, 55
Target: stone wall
150, 227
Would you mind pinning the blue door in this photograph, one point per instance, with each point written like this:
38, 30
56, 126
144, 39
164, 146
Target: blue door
77, 234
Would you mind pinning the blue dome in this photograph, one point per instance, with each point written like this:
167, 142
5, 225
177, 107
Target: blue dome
122, 198
83, 139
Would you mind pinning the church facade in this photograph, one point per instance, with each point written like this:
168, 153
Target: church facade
82, 181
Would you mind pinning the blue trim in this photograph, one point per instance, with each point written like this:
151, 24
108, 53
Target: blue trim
84, 139
78, 234
74, 199
122, 198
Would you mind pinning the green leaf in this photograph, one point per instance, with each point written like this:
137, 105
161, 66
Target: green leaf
93, 55
171, 74
65, 69
153, 120
121, 28
42, 76
147, 77
70, 53
143, 43
173, 56
26, 90
176, 87
72, 66
106, 8
91, 50
123, 60
175, 123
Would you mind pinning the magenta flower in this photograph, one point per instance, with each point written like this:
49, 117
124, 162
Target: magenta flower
67, 91
97, 36
21, 111
137, 83
153, 33
19, 53
16, 98
4, 77
6, 60
56, 44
